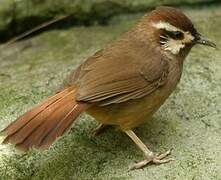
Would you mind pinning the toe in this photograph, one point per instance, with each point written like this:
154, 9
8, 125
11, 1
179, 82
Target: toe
162, 161
156, 159
163, 155
139, 165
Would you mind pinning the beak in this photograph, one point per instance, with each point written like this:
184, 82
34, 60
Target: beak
204, 41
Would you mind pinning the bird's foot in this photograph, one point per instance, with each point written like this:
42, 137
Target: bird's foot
99, 129
156, 159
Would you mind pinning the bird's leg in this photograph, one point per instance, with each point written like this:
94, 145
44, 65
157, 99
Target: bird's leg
149, 155
99, 129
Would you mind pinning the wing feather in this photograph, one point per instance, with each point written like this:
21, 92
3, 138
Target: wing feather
117, 76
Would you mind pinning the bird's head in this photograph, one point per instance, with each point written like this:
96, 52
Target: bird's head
174, 32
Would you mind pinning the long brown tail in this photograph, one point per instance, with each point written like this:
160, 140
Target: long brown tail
40, 126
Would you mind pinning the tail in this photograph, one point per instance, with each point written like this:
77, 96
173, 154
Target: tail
40, 126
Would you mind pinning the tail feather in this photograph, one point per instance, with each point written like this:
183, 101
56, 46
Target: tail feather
25, 118
46, 121
62, 127
41, 126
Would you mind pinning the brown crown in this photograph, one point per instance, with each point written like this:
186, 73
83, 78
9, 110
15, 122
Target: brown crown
173, 16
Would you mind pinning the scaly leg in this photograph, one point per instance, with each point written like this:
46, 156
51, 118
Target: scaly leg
150, 156
99, 129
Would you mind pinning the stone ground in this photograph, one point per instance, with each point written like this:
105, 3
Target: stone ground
189, 122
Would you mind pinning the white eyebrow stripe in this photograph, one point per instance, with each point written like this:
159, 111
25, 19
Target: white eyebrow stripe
165, 25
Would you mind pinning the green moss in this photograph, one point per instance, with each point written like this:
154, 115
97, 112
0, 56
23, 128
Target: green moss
189, 122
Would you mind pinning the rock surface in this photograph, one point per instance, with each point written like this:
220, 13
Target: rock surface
189, 122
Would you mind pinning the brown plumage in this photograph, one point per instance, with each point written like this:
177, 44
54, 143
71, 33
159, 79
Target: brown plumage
121, 84
40, 126
175, 17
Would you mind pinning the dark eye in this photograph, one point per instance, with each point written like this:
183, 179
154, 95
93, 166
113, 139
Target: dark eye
177, 35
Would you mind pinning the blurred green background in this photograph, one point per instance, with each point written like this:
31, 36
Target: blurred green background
34, 68
17, 16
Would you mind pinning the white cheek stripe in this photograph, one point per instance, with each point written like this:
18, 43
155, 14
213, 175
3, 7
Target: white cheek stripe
168, 27
174, 46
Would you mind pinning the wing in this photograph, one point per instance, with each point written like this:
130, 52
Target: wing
117, 76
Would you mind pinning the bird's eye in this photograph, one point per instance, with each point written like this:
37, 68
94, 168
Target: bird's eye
177, 35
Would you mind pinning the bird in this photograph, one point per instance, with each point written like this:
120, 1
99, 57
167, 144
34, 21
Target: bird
122, 84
